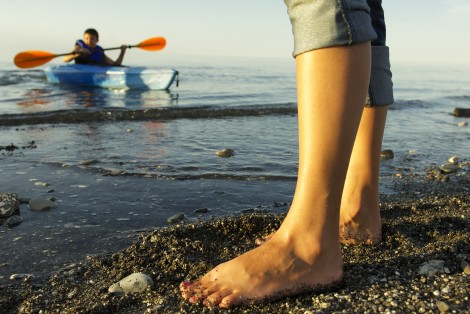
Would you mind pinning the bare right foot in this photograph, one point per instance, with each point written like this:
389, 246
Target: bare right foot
282, 268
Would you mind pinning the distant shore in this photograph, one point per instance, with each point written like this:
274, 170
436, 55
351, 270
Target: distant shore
425, 223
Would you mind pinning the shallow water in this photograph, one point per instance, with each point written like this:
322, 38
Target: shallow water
118, 162
244, 104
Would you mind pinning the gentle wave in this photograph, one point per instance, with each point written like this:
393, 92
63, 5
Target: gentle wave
15, 77
178, 174
166, 113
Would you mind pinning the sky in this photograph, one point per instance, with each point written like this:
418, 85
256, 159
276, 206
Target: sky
435, 31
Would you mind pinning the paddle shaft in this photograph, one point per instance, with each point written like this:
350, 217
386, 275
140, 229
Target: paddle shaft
33, 58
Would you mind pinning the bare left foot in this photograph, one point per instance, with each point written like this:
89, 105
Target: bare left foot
354, 227
362, 226
277, 269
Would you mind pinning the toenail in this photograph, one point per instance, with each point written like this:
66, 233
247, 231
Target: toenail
186, 284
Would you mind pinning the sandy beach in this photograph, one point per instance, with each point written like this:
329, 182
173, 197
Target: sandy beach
422, 265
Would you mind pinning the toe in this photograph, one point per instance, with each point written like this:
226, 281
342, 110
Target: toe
184, 286
190, 291
215, 298
230, 300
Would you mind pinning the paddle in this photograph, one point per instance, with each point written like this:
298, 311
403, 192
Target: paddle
34, 58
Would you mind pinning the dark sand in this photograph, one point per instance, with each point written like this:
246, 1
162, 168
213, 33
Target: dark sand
425, 221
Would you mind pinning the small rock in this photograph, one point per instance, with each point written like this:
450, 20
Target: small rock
204, 210
9, 203
88, 162
40, 183
465, 267
387, 154
431, 268
134, 283
176, 218
324, 305
454, 160
13, 221
116, 172
225, 153
24, 277
39, 204
463, 123
449, 168
442, 306
130, 130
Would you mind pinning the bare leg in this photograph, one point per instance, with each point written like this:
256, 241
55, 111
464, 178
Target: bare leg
360, 207
305, 253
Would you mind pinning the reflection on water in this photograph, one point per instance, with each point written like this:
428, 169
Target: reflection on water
35, 96
84, 97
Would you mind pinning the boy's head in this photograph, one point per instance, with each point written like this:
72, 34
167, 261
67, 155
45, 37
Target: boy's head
91, 37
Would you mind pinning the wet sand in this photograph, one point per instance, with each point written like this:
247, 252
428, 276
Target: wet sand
424, 221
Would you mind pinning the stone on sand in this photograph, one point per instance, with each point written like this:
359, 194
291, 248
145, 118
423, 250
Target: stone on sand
134, 283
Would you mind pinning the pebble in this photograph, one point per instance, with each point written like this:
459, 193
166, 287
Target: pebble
116, 172
442, 306
463, 123
13, 221
24, 277
465, 267
449, 168
134, 283
9, 203
204, 210
431, 268
225, 153
454, 160
39, 204
176, 218
40, 183
387, 154
88, 162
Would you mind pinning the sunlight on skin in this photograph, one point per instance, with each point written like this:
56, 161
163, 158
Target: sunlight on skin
360, 221
304, 254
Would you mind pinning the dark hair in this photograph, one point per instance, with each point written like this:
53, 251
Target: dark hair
92, 31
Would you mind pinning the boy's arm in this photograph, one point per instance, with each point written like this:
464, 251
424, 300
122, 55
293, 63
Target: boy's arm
73, 55
118, 61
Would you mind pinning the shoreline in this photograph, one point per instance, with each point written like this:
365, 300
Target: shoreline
425, 221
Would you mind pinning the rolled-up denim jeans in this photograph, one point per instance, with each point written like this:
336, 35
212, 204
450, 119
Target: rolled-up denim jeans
327, 23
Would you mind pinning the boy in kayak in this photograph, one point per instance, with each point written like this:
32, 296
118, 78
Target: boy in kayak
86, 51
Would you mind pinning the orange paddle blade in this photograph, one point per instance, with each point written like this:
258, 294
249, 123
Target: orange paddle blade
152, 44
33, 58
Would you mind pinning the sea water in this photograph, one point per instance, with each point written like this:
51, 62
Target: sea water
421, 129
118, 162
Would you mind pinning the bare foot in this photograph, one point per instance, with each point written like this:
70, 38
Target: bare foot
361, 226
277, 269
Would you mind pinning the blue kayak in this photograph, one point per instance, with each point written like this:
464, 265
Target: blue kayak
115, 77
